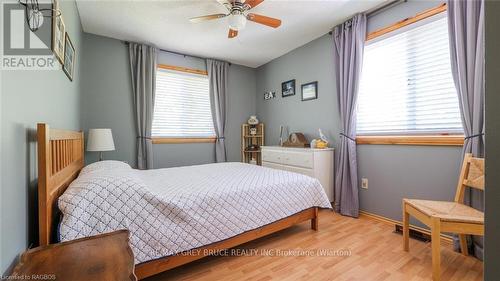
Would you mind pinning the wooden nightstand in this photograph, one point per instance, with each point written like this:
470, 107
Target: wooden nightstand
106, 257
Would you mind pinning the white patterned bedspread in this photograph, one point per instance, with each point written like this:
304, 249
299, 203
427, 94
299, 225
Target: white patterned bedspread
168, 211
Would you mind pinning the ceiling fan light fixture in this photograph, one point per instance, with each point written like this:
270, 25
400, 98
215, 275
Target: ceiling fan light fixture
237, 21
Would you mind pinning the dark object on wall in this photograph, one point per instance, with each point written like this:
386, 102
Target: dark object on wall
296, 140
35, 13
69, 57
310, 91
288, 88
269, 95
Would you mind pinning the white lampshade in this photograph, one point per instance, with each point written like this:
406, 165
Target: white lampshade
100, 140
237, 21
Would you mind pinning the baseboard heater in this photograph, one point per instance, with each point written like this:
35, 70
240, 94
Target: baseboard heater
415, 234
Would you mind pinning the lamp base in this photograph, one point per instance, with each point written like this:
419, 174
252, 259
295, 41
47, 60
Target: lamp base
100, 156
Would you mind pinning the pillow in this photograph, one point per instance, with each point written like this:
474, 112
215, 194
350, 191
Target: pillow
105, 165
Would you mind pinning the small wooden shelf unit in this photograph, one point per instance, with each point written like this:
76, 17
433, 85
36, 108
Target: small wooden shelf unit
248, 140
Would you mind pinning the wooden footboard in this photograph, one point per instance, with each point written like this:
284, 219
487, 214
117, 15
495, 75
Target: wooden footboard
150, 268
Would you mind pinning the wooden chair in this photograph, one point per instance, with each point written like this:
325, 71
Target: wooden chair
454, 217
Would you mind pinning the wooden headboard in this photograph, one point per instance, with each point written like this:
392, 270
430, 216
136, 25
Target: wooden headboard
60, 159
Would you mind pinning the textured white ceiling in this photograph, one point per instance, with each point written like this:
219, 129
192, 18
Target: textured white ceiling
165, 24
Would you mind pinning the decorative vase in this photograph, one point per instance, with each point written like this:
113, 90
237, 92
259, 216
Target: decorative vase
253, 120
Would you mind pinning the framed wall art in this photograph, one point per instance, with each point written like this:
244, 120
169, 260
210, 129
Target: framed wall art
288, 88
58, 33
310, 91
69, 57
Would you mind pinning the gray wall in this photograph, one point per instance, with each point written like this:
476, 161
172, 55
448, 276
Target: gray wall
107, 95
492, 195
311, 62
108, 103
393, 171
30, 97
400, 12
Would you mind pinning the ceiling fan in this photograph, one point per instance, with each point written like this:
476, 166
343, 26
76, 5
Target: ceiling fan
238, 16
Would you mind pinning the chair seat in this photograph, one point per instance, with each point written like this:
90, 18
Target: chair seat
447, 211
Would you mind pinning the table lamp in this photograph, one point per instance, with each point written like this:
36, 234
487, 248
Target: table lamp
100, 140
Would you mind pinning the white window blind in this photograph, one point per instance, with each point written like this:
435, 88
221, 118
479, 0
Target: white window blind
406, 84
182, 105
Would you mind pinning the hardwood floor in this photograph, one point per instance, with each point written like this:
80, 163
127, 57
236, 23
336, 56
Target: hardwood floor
375, 254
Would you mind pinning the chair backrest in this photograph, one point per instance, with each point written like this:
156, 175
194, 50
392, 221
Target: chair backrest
471, 175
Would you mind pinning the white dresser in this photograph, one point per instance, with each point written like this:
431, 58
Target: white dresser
317, 163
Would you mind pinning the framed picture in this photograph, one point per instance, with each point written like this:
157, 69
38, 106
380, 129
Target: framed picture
69, 57
288, 88
58, 33
310, 91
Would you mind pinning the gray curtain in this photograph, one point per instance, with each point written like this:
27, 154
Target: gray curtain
348, 44
217, 77
466, 32
143, 70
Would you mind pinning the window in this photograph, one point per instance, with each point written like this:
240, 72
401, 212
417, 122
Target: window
182, 106
406, 85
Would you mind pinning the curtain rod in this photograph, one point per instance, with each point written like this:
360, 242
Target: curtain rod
381, 8
384, 7
176, 53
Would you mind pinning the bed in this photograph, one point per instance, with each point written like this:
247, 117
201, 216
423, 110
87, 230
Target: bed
175, 215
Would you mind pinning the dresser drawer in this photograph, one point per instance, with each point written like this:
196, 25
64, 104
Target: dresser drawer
298, 159
316, 163
307, 172
272, 156
272, 165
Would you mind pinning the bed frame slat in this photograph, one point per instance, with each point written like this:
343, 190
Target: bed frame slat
53, 155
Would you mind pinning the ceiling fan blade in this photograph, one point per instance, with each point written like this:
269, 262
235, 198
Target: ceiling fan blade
253, 3
232, 33
208, 17
272, 22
